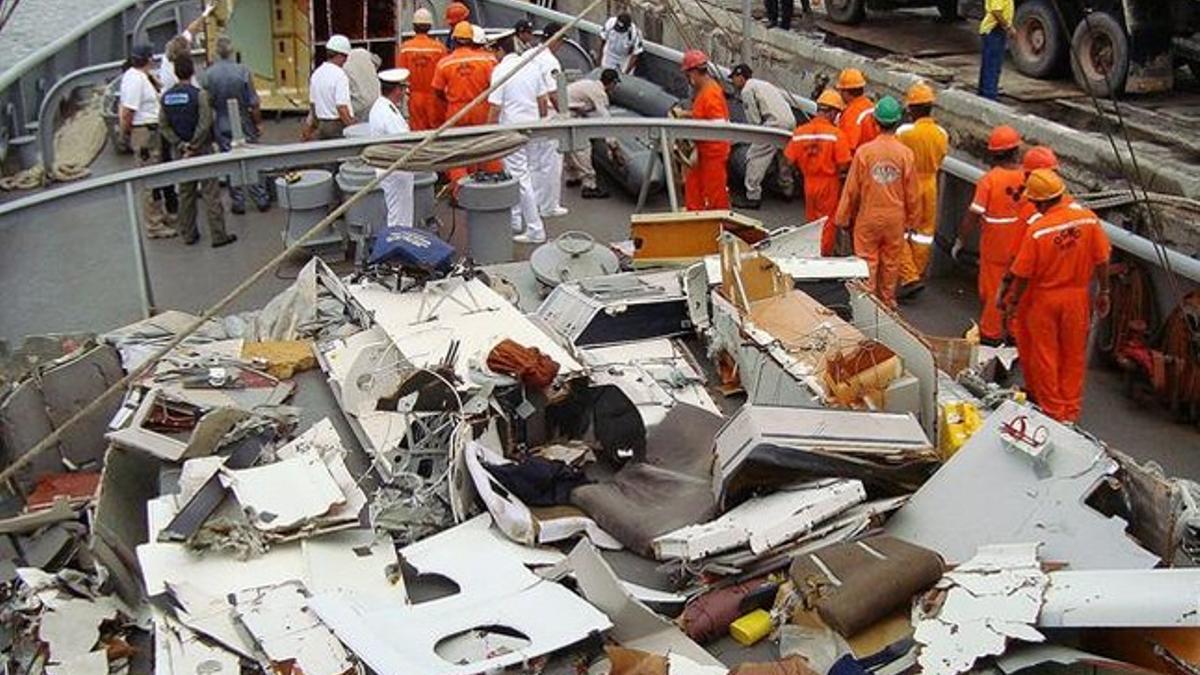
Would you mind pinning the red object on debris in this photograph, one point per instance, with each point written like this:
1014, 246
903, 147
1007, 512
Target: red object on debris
527, 364
708, 616
72, 486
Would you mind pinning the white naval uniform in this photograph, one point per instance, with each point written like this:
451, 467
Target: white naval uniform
545, 161
518, 102
385, 120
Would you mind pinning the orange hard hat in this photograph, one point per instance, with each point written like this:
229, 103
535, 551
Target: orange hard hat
831, 99
463, 30
1040, 157
918, 94
1003, 138
851, 78
1044, 185
694, 58
456, 12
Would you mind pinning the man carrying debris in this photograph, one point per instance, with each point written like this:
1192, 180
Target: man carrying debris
930, 143
385, 120
138, 119
187, 128
419, 55
1061, 254
880, 202
822, 155
706, 183
857, 122
329, 93
461, 76
519, 100
589, 98
765, 106
227, 80
994, 208
620, 44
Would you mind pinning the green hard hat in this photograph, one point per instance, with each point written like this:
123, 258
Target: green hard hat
888, 111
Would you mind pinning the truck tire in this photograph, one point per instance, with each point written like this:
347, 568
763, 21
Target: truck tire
1040, 49
1100, 55
846, 11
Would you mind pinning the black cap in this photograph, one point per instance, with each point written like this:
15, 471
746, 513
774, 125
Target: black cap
523, 26
743, 70
142, 50
624, 19
610, 75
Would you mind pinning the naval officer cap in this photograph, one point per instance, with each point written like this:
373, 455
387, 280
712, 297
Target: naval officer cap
394, 75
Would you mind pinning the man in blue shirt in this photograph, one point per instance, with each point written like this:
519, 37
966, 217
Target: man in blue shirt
227, 80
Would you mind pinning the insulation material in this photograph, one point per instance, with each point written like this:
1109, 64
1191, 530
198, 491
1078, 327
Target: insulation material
763, 522
1000, 495
976, 609
288, 631
283, 358
286, 494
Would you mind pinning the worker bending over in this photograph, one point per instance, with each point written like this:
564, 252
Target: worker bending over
994, 208
820, 152
706, 183
330, 109
187, 128
930, 143
857, 122
419, 55
462, 75
545, 161
362, 68
385, 119
881, 201
765, 106
520, 100
1061, 253
589, 98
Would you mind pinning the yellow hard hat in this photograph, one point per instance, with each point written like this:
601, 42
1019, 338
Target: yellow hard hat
851, 78
463, 30
831, 99
918, 94
1044, 185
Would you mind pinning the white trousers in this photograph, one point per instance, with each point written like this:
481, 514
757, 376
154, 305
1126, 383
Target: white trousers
398, 195
525, 215
546, 165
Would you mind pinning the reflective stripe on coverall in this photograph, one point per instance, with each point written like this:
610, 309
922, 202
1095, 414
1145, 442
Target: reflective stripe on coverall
1058, 256
706, 185
997, 195
880, 202
420, 55
818, 150
930, 143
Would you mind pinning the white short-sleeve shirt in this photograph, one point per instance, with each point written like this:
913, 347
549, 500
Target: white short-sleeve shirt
518, 97
139, 95
549, 67
328, 88
385, 118
618, 46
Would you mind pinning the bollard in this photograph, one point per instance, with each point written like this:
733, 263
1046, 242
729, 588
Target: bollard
424, 199
369, 215
489, 204
306, 202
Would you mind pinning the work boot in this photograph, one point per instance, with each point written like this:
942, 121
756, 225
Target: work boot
594, 193
161, 232
190, 239
229, 239
574, 182
909, 291
746, 203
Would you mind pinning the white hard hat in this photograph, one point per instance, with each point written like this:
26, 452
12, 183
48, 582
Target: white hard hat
478, 35
423, 17
394, 75
338, 44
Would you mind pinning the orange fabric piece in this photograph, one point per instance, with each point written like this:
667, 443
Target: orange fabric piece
706, 185
420, 55
858, 122
1058, 256
930, 144
461, 76
880, 202
998, 196
819, 151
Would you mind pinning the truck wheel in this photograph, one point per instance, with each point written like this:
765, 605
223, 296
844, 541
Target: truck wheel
847, 11
1040, 49
1100, 54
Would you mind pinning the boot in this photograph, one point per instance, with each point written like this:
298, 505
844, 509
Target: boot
910, 291
740, 202
594, 192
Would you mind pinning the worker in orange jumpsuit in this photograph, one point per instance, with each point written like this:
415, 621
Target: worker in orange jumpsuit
930, 143
857, 122
458, 78
997, 196
821, 154
1062, 252
456, 13
706, 185
881, 201
420, 55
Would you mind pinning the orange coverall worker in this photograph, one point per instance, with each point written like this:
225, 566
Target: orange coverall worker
462, 75
1058, 258
930, 143
420, 54
858, 122
820, 152
880, 202
706, 185
997, 196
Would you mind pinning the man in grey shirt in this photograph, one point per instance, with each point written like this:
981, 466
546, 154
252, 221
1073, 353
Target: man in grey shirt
227, 80
765, 106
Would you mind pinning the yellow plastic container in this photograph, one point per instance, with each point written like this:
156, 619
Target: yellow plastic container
959, 421
751, 628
